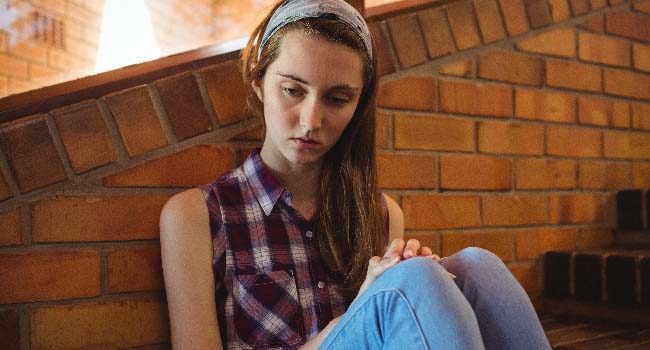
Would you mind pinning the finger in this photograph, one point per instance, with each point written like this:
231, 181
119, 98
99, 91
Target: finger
436, 257
412, 248
426, 251
395, 248
452, 275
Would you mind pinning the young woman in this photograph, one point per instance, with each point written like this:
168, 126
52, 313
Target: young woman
289, 249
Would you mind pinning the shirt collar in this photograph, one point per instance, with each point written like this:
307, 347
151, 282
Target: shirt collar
265, 186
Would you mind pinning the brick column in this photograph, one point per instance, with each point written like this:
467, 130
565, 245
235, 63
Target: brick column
358, 4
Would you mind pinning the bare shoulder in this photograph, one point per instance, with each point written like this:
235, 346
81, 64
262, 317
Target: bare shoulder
189, 204
395, 218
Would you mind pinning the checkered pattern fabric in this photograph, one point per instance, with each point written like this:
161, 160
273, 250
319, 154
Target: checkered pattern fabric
272, 290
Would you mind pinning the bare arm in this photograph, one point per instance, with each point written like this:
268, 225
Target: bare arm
186, 248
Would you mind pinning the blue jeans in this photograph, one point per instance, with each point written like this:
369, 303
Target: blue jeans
417, 305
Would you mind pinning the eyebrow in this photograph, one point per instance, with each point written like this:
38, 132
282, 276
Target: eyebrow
336, 87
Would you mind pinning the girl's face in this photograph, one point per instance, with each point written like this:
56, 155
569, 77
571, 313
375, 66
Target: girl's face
310, 93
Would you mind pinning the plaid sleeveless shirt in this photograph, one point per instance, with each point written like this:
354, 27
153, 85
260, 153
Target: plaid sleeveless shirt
272, 289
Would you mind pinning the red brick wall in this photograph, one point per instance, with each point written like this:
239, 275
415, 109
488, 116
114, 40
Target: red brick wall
503, 124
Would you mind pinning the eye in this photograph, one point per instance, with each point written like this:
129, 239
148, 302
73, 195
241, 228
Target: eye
338, 101
291, 91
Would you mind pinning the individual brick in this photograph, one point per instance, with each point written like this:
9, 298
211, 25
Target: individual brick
641, 175
579, 7
546, 106
620, 144
461, 20
573, 142
382, 130
538, 13
407, 40
464, 68
136, 120
406, 171
31, 153
227, 91
519, 69
560, 10
629, 210
417, 93
556, 274
533, 244
514, 210
529, 276
40, 275
628, 24
561, 73
85, 136
577, 208
438, 211
509, 138
123, 277
627, 83
11, 227
644, 266
476, 99
621, 279
514, 15
192, 167
603, 112
594, 24
557, 42
604, 175
113, 324
603, 49
475, 173
433, 133
181, 99
587, 275
88, 219
385, 64
436, 32
641, 56
489, 20
595, 238
497, 242
538, 173
9, 329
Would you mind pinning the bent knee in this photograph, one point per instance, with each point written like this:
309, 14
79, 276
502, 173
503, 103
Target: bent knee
478, 257
420, 267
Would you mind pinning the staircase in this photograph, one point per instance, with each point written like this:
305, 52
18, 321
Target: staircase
600, 299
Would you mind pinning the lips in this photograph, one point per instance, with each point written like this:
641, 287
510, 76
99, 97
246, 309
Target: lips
308, 141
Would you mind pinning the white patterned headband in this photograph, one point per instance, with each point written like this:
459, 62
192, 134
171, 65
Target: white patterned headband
293, 10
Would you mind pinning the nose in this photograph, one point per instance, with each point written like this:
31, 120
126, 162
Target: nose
311, 115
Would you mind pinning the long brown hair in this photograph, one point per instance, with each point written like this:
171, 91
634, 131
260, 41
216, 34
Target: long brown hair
350, 221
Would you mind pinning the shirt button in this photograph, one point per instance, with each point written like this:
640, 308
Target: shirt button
321, 284
309, 234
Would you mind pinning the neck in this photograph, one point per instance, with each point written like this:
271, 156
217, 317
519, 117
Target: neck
302, 180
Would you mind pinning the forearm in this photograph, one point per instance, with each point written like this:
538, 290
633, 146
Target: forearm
315, 342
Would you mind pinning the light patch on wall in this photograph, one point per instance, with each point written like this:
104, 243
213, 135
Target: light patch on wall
127, 35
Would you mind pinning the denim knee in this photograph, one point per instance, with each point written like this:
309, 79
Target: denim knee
422, 268
476, 257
